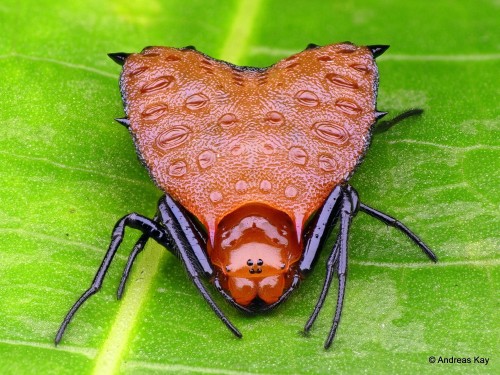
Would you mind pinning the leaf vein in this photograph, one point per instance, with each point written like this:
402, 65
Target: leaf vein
189, 369
90, 353
446, 147
71, 168
60, 62
456, 263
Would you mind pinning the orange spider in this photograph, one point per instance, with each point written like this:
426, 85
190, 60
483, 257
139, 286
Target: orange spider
245, 157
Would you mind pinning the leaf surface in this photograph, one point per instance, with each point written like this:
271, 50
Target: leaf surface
69, 172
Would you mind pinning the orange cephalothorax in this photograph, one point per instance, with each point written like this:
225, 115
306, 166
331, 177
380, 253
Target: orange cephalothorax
216, 136
255, 249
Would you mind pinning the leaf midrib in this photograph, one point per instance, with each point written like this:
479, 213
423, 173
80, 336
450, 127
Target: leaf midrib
110, 354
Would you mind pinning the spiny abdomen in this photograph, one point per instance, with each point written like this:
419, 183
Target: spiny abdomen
216, 136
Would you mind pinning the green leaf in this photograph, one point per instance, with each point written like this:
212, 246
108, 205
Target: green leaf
69, 172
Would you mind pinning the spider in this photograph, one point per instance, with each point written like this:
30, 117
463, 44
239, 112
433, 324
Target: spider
254, 164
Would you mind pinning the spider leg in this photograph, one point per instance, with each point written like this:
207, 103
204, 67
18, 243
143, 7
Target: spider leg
330, 268
337, 261
147, 226
138, 247
189, 257
389, 220
195, 237
197, 243
345, 206
168, 233
322, 227
349, 209
190, 244
386, 125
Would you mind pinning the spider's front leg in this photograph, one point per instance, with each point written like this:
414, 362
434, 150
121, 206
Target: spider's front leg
181, 222
344, 208
342, 205
176, 233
